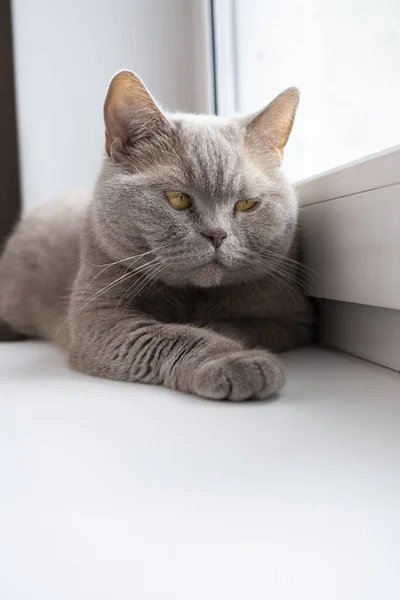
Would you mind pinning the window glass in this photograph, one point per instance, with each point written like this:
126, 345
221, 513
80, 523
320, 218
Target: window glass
344, 56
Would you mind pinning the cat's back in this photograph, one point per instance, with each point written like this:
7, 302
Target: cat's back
39, 264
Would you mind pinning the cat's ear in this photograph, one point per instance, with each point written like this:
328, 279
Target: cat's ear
269, 129
131, 115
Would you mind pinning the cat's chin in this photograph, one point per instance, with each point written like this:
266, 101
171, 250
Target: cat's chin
210, 275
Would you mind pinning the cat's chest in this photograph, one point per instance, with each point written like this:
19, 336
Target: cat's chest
237, 302
174, 305
197, 305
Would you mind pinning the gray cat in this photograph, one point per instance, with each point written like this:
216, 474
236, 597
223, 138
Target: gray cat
181, 268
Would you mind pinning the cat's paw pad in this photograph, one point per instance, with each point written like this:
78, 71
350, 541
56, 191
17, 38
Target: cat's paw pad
239, 376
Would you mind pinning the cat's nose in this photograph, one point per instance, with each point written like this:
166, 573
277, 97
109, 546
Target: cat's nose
216, 237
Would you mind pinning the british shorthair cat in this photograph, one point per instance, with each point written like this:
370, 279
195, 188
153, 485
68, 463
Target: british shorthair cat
180, 269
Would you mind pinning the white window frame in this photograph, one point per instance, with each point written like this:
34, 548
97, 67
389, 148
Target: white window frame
225, 57
350, 220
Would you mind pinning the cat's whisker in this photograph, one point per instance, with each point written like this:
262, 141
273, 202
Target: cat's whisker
135, 257
151, 278
296, 263
148, 275
126, 275
288, 273
291, 289
112, 264
288, 270
117, 262
296, 283
146, 269
78, 310
289, 276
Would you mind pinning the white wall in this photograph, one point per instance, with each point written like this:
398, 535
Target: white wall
65, 55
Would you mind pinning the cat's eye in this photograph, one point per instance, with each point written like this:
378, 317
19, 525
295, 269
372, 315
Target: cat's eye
179, 201
245, 205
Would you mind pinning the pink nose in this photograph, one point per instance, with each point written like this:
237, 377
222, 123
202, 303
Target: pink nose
215, 236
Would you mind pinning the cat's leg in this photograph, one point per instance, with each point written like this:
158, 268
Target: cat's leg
108, 343
266, 333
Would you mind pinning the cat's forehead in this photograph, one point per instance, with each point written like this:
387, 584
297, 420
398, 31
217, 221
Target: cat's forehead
212, 153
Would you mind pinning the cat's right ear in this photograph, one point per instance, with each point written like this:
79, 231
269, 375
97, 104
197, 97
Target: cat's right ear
268, 131
131, 114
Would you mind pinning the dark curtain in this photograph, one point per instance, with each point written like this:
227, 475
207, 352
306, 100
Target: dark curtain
9, 171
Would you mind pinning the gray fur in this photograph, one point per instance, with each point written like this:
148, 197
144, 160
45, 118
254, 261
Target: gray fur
128, 286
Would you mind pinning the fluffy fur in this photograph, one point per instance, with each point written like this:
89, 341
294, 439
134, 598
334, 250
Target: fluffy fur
133, 289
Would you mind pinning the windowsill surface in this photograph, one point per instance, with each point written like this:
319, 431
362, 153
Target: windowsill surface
112, 490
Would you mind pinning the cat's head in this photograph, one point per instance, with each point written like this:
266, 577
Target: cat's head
203, 196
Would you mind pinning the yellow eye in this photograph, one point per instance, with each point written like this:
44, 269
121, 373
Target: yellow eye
245, 205
179, 201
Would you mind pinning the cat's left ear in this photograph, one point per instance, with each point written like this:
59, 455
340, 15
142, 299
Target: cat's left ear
269, 130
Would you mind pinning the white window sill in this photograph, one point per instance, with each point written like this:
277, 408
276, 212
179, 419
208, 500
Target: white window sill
113, 490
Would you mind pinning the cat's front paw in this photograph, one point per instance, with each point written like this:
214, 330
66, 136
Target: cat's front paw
239, 376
